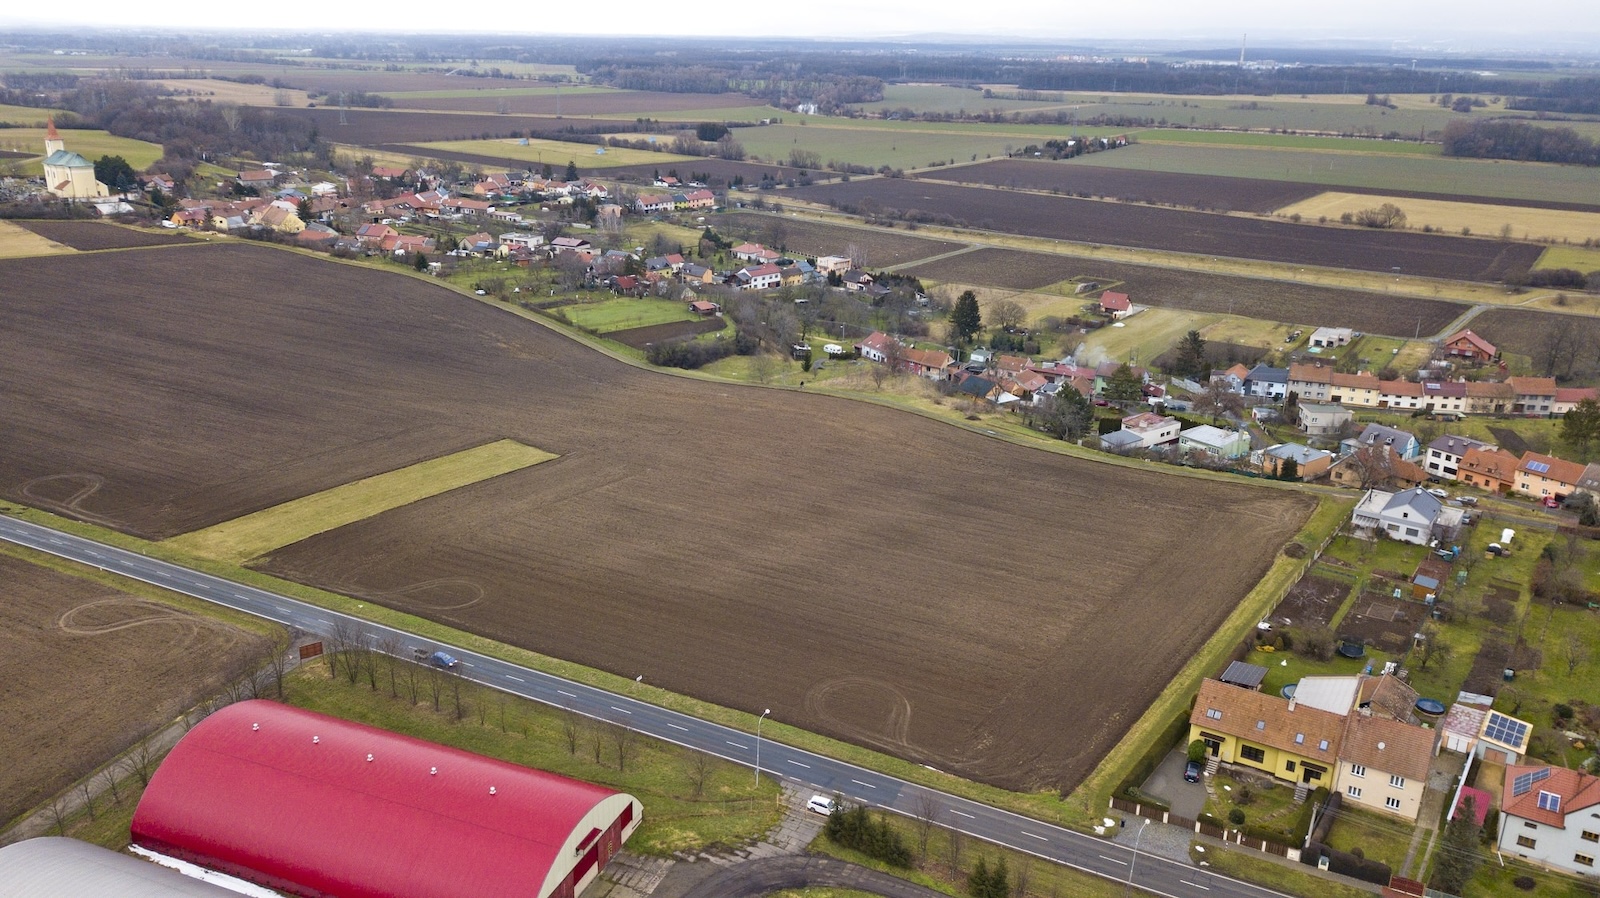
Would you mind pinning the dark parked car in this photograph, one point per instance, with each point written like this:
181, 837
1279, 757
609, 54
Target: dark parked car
1191, 771
442, 659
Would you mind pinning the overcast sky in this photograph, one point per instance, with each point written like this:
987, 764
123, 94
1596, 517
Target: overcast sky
1569, 24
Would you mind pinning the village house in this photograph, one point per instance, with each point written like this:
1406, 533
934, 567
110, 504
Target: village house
758, 277
1411, 516
1117, 305
878, 347
1151, 429
648, 203
1488, 468
259, 179
755, 252
1403, 443
1321, 419
1383, 764
1567, 398
932, 364
1353, 471
1533, 395
1267, 382
1214, 441
827, 265
1330, 337
1464, 344
1551, 816
1541, 476
1445, 454
1311, 463
696, 274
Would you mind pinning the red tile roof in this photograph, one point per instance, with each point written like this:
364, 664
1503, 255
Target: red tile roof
1576, 791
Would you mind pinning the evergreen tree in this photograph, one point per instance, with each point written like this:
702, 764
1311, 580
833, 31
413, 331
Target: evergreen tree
1123, 385
1190, 359
572, 170
978, 879
1458, 856
999, 880
114, 172
965, 318
1289, 469
420, 263
1580, 427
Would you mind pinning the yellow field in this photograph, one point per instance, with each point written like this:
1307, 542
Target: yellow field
1483, 219
556, 152
1574, 257
254, 535
91, 145
16, 242
218, 91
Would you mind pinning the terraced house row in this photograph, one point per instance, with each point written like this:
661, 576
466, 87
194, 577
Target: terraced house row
1536, 396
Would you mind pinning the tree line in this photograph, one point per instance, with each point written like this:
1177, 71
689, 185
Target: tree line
1517, 140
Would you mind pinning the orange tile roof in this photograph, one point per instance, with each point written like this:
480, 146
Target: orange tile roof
1300, 729
1577, 791
1387, 745
1557, 469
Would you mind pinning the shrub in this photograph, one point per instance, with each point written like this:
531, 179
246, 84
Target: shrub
1197, 750
1236, 817
1562, 711
1525, 883
855, 828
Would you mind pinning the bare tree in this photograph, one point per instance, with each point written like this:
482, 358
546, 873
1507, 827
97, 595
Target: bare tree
1576, 653
1021, 876
699, 765
572, 728
389, 650
111, 777
142, 760
1218, 401
957, 844
622, 737
412, 689
86, 793
58, 812
455, 689
927, 818
1373, 465
597, 738
1006, 314
277, 667
435, 684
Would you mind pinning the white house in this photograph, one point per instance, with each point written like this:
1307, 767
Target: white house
1404, 444
1445, 454
1267, 382
1151, 429
1214, 441
1321, 418
1330, 337
1551, 816
1409, 516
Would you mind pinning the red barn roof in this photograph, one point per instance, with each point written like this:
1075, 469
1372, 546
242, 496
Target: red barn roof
316, 805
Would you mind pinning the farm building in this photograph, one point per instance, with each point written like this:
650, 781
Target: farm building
53, 867
314, 805
1117, 305
1331, 337
1464, 344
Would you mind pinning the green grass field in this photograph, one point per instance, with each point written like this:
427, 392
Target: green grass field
1289, 142
556, 152
256, 534
1576, 258
1145, 335
870, 146
621, 314
1433, 174
91, 145
24, 116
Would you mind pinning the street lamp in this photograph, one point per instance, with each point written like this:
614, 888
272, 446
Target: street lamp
758, 743
1143, 822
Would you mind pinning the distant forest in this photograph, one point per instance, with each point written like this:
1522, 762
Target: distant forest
1511, 139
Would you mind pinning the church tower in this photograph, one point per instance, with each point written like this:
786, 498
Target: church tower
52, 140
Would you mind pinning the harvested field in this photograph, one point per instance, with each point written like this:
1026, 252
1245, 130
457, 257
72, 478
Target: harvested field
91, 235
882, 247
1196, 291
1213, 192
641, 337
530, 153
1173, 230
88, 671
616, 103
662, 536
1311, 602
18, 241
1454, 216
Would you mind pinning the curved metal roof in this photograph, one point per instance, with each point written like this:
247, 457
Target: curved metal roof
53, 867
311, 804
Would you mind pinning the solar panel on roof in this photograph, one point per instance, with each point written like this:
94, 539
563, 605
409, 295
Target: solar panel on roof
1539, 467
1507, 730
1524, 781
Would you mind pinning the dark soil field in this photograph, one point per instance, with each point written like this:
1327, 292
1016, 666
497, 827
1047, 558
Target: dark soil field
1311, 602
1174, 230
1196, 191
1213, 192
1378, 619
1290, 303
854, 568
621, 103
88, 671
882, 247
1534, 334
90, 235
372, 127
722, 171
671, 332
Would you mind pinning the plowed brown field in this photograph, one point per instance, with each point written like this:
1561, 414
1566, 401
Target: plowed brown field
88, 671
1176, 230
90, 235
990, 610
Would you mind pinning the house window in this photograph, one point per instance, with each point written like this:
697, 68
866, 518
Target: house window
1261, 724
1525, 842
1392, 803
1591, 837
1251, 753
1527, 825
1549, 801
1583, 859
1299, 738
1288, 767
1357, 770
1397, 781
1323, 745
1213, 713
1353, 791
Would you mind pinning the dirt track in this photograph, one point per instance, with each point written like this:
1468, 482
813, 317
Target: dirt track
892, 581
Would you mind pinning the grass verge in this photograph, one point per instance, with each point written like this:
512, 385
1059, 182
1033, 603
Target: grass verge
256, 534
1273, 875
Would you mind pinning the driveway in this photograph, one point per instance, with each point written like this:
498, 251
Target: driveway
1185, 799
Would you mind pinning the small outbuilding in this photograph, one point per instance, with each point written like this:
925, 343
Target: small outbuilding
314, 805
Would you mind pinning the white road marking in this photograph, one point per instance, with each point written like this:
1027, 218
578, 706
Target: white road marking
515, 677
737, 745
1195, 884
567, 694
676, 727
962, 814
623, 710
860, 783
1032, 836
798, 764
1114, 860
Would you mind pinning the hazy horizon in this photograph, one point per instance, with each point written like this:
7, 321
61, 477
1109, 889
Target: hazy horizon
1430, 26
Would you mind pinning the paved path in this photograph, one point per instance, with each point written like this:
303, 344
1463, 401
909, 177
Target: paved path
805, 770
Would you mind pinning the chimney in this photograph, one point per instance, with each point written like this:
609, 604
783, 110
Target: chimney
1291, 705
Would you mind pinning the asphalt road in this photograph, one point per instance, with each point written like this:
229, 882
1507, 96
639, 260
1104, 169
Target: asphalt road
827, 776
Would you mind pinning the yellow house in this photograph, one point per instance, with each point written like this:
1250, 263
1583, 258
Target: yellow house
1383, 764
1294, 743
